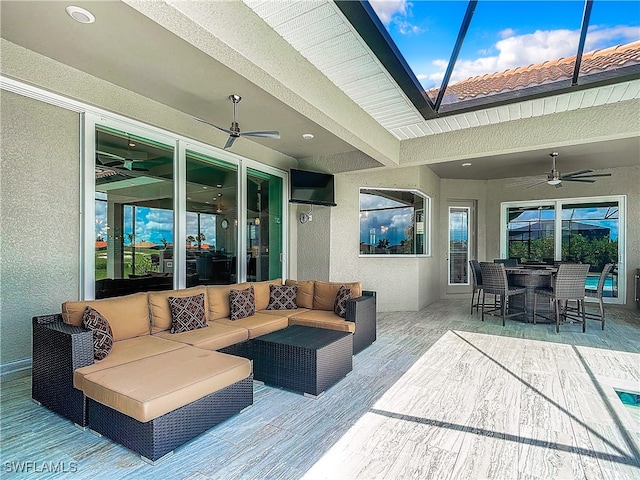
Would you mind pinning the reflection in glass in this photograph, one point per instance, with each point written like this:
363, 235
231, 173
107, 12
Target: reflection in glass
134, 214
264, 226
590, 235
458, 245
531, 234
392, 222
212, 226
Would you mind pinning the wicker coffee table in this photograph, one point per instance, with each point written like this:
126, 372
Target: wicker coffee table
303, 359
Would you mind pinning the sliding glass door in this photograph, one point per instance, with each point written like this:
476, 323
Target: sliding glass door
134, 221
211, 248
264, 225
579, 230
161, 212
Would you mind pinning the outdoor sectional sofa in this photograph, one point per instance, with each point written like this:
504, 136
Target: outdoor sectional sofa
156, 390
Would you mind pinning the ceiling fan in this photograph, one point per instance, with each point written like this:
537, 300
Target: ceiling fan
120, 157
555, 178
234, 131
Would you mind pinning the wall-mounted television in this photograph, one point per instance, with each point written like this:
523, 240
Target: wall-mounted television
312, 188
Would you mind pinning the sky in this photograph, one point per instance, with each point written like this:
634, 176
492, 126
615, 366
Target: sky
502, 35
395, 220
153, 224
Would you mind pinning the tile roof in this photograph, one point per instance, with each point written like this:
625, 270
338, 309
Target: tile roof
547, 72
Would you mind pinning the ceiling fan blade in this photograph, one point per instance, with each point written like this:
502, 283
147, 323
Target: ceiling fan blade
592, 175
230, 140
558, 185
215, 126
110, 155
573, 174
539, 182
528, 181
583, 180
265, 134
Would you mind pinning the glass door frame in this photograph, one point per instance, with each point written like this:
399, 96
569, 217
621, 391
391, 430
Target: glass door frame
558, 204
469, 208
90, 119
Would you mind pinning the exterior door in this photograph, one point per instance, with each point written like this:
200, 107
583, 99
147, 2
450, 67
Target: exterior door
460, 245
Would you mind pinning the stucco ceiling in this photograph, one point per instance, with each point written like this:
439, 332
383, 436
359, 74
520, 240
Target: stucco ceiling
149, 57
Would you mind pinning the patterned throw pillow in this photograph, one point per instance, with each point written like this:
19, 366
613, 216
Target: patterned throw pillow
187, 313
340, 305
102, 336
282, 297
242, 303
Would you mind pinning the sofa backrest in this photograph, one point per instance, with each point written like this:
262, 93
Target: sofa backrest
128, 316
160, 310
304, 299
218, 296
262, 291
324, 293
218, 299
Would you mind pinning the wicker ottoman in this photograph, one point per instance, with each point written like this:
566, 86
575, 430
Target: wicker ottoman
303, 359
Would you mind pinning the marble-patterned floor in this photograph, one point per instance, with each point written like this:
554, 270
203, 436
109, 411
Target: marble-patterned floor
440, 395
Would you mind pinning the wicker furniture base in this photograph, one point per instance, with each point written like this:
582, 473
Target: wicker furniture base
157, 438
303, 359
58, 350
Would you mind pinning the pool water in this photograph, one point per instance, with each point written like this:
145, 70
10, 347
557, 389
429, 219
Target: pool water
632, 402
592, 283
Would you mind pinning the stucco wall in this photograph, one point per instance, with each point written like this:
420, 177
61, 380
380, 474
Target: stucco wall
401, 283
39, 217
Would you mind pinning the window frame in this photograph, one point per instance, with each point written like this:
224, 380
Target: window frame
427, 224
181, 144
558, 207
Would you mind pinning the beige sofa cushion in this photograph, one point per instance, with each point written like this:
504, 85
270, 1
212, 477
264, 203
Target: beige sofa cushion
261, 290
322, 319
218, 299
159, 305
284, 313
214, 337
126, 351
304, 298
257, 324
153, 386
128, 316
324, 293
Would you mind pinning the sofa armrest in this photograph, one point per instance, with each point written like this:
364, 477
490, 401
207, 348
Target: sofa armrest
59, 349
362, 311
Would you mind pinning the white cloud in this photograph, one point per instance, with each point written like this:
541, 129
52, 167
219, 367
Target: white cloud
395, 12
528, 49
386, 9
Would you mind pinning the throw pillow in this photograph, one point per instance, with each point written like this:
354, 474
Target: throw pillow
282, 297
187, 313
242, 303
340, 305
102, 334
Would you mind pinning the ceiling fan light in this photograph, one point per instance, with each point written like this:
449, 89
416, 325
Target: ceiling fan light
554, 181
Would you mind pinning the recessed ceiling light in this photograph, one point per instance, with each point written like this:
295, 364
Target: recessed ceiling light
307, 136
466, 164
80, 14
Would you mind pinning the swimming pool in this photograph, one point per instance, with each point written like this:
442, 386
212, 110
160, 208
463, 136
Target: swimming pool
630, 400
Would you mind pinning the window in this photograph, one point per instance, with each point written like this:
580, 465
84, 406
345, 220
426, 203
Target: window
133, 211
393, 222
531, 233
162, 211
590, 230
